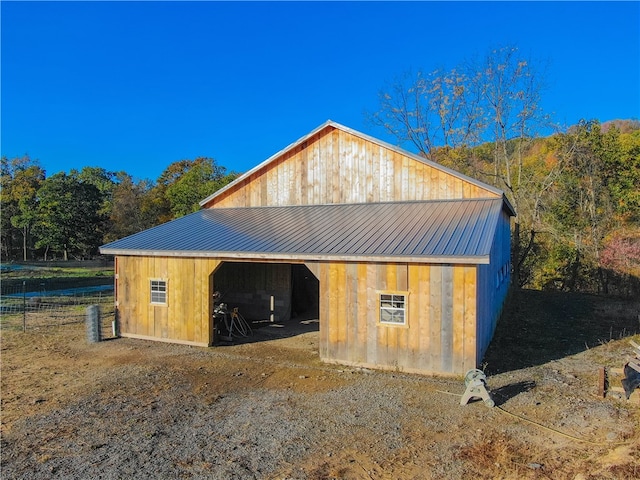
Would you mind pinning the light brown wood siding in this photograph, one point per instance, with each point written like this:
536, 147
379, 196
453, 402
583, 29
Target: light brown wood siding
440, 334
186, 317
452, 309
335, 166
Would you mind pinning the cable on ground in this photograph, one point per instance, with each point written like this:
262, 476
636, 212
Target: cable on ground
551, 429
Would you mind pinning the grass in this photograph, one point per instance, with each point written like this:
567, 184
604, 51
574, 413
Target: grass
37, 278
56, 272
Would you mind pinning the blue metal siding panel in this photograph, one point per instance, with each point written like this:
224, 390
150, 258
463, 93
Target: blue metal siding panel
493, 286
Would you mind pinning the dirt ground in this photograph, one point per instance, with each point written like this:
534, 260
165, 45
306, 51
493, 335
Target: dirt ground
269, 409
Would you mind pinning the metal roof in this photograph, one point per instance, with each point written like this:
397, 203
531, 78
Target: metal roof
437, 231
330, 123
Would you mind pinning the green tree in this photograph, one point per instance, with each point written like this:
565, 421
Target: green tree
21, 178
105, 181
622, 170
198, 181
582, 211
67, 216
183, 184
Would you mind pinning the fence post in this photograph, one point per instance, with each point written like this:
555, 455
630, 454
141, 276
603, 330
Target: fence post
24, 305
93, 324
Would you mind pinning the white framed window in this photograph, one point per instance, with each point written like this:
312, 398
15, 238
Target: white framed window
393, 308
159, 291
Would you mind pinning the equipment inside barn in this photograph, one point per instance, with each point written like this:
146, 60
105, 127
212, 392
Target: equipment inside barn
476, 383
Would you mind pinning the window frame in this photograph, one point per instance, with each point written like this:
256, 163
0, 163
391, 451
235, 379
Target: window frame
394, 308
152, 291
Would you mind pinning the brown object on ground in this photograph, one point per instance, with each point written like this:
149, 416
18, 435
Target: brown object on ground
270, 409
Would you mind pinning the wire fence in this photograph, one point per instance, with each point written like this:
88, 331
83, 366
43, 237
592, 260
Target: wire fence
24, 313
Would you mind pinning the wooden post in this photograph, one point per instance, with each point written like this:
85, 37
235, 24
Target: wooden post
602, 382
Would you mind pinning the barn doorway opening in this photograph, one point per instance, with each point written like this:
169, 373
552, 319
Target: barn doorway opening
276, 299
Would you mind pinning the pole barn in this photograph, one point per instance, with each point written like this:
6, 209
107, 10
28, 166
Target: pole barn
406, 262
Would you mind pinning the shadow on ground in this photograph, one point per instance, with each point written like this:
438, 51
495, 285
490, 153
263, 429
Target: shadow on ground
503, 394
537, 327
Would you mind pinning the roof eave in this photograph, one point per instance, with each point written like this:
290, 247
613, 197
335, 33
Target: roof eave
296, 257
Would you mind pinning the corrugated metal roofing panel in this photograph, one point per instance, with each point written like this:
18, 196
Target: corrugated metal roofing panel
441, 231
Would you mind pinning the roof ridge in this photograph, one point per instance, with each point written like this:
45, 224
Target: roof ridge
347, 204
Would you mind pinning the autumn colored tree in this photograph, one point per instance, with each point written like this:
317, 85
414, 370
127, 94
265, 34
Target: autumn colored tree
129, 213
495, 101
621, 259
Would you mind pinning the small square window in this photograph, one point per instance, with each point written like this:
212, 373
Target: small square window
159, 291
393, 309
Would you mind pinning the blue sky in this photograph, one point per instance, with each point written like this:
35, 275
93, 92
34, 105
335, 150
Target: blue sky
136, 86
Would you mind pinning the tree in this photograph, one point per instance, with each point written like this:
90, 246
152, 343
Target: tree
495, 100
434, 110
622, 170
21, 178
595, 196
185, 183
621, 257
8, 208
67, 216
129, 213
105, 181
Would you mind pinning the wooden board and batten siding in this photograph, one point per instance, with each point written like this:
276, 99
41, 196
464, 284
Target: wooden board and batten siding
187, 315
337, 166
452, 304
440, 332
444, 333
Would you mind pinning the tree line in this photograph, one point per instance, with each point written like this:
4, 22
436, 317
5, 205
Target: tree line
576, 190
69, 215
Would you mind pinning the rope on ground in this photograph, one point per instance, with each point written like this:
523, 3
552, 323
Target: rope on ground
551, 429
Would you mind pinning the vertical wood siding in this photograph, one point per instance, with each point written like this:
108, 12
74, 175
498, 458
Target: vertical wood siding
186, 318
440, 335
335, 166
452, 309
